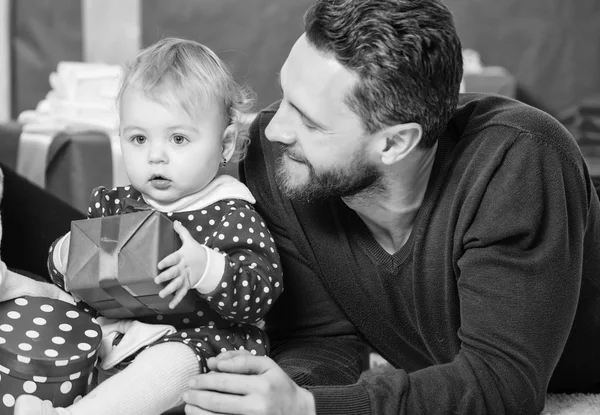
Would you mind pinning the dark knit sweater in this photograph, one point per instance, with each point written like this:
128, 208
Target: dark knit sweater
494, 299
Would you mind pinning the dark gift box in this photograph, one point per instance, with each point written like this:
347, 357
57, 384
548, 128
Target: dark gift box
113, 262
48, 348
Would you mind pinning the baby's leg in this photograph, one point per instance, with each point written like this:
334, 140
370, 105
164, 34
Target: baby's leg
152, 384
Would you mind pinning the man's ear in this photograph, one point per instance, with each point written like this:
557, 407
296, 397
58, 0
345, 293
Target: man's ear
228, 141
397, 141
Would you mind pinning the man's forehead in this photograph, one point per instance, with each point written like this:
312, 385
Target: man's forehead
305, 58
310, 72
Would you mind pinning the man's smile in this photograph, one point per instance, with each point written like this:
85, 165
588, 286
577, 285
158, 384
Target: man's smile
295, 158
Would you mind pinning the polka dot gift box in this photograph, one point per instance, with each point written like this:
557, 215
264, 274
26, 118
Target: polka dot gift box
48, 348
113, 262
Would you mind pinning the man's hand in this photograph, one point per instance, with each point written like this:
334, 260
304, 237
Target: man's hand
243, 384
183, 267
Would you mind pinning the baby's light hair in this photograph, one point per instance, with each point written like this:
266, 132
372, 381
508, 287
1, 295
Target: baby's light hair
186, 73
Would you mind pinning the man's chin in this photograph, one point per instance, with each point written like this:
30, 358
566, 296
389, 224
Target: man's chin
301, 189
313, 189
292, 182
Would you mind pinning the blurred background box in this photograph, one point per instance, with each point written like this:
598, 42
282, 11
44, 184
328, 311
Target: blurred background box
583, 121
494, 82
478, 77
75, 164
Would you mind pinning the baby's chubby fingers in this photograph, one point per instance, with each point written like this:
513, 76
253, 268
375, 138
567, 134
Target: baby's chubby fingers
167, 275
181, 292
173, 286
183, 233
169, 261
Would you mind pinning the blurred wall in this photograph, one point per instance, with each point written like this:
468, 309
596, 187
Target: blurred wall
121, 41
253, 36
44, 32
5, 78
551, 46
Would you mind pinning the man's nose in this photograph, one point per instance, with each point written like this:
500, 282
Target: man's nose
157, 153
280, 129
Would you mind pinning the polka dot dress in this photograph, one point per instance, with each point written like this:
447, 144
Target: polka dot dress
48, 348
252, 280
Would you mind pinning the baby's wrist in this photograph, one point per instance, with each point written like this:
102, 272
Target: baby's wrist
213, 271
200, 270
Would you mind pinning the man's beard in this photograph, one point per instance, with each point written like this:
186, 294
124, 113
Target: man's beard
356, 177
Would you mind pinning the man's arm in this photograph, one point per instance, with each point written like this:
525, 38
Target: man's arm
320, 360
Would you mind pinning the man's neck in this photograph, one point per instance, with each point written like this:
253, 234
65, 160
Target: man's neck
391, 212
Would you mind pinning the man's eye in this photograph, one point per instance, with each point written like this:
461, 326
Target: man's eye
310, 126
179, 139
139, 139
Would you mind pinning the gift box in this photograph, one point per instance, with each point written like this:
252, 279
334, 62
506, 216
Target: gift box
113, 262
496, 81
48, 348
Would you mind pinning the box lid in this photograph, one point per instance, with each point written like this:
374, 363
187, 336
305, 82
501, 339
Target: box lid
45, 338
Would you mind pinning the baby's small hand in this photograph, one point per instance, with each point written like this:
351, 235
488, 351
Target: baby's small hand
183, 268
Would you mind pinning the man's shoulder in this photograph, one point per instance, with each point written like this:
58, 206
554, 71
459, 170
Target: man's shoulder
488, 110
265, 115
256, 169
258, 141
272, 109
495, 119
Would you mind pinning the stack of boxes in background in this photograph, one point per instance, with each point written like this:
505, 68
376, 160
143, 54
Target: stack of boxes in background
82, 98
583, 121
486, 79
69, 143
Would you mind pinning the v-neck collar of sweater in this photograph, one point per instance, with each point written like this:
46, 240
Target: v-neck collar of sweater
393, 261
320, 228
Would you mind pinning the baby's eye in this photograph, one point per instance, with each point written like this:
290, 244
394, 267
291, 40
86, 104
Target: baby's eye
139, 139
179, 139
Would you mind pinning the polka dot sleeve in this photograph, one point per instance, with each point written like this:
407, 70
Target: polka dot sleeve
252, 279
104, 202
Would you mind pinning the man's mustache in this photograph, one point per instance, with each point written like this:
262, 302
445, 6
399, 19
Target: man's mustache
287, 150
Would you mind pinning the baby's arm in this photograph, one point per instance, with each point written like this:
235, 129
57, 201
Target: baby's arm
240, 277
243, 278
58, 256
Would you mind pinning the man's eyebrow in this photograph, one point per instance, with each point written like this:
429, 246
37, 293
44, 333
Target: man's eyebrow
303, 114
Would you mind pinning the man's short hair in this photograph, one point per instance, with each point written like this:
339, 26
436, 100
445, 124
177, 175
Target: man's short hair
407, 56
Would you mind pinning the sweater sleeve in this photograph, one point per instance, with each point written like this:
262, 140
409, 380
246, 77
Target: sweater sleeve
519, 270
